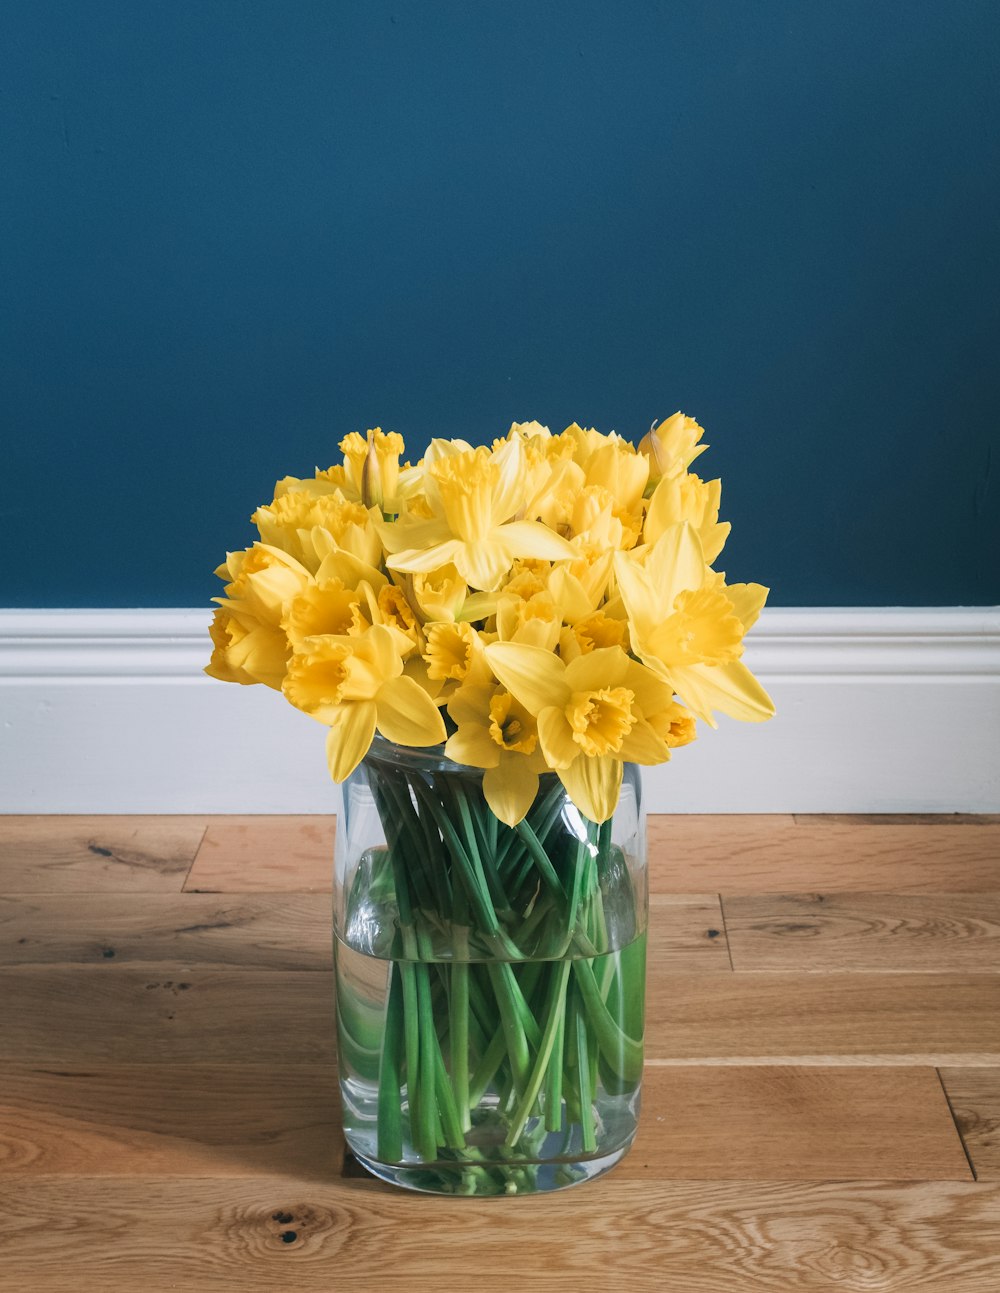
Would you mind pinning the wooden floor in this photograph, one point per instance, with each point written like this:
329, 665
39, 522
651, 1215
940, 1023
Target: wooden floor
821, 1108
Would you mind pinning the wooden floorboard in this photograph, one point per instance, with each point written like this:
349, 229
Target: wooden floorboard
817, 932
97, 854
265, 855
940, 1019
745, 855
974, 1095
256, 931
267, 931
822, 1086
132, 1013
271, 1235
163, 1014
698, 1123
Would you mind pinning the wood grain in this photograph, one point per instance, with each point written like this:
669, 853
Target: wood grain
97, 854
747, 855
687, 933
975, 1100
160, 1013
256, 931
698, 1123
267, 931
176, 1119
72, 1016
265, 854
275, 1235
897, 819
940, 1019
891, 932
774, 1122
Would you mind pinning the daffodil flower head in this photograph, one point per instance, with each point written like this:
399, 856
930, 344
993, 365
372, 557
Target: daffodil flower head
472, 495
592, 714
498, 734
355, 685
684, 626
672, 446
324, 608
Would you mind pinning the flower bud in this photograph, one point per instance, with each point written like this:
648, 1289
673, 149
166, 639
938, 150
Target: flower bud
671, 448
372, 494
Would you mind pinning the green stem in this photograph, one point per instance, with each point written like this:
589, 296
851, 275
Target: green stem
540, 858
390, 1123
421, 1107
622, 1052
473, 878
554, 1076
458, 1017
555, 1009
512, 1017
487, 1067
582, 1055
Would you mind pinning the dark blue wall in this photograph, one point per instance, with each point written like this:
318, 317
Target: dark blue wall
231, 232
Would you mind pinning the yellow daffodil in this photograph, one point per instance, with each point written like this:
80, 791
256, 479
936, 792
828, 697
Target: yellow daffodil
263, 579
688, 498
593, 714
371, 465
474, 496
496, 733
535, 620
599, 520
685, 624
437, 594
309, 526
246, 651
327, 608
672, 447
355, 685
455, 654
617, 467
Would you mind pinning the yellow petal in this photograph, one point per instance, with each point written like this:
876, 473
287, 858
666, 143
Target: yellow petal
482, 563
349, 737
642, 745
652, 692
730, 688
412, 536
747, 600
570, 595
556, 737
676, 562
532, 539
510, 789
605, 667
350, 570
593, 785
473, 745
427, 559
713, 540
537, 678
407, 715
508, 492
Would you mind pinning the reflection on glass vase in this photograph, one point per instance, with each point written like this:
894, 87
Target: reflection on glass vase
490, 981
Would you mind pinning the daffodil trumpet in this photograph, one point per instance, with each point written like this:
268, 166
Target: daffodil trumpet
494, 639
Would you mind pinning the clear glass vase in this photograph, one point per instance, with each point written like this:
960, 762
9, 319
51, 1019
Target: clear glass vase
490, 981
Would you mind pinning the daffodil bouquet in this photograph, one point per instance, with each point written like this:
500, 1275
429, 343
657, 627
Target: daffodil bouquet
494, 638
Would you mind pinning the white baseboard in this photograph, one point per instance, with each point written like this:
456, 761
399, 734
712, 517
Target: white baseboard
879, 710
